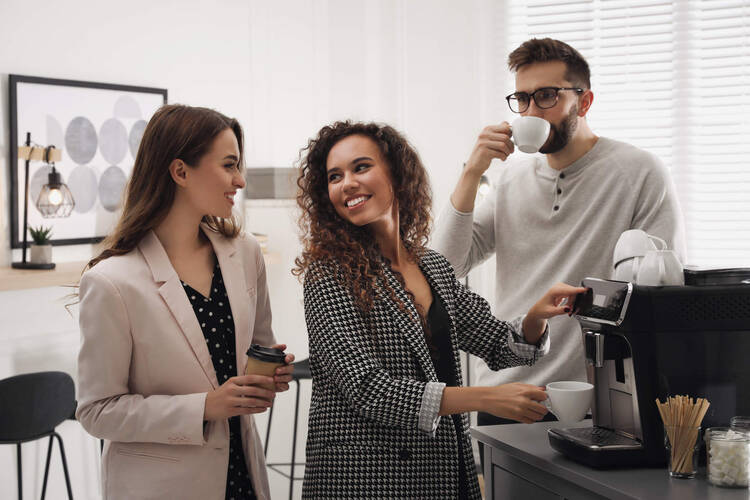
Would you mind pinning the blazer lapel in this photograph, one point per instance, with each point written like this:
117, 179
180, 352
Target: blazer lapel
439, 286
411, 327
176, 300
233, 272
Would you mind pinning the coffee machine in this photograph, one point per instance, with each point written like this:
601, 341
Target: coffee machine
646, 342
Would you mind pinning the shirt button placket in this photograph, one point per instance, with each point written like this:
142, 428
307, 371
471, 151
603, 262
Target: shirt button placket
558, 193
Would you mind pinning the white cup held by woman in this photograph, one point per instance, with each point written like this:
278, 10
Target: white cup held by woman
569, 400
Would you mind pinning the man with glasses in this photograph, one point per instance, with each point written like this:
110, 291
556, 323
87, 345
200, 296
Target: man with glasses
555, 217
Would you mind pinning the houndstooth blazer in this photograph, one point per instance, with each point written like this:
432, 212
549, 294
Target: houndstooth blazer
368, 382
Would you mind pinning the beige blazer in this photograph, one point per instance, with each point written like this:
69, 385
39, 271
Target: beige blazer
144, 371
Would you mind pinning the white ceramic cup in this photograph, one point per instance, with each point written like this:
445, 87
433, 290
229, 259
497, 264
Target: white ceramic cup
632, 246
529, 133
633, 243
569, 400
627, 269
660, 268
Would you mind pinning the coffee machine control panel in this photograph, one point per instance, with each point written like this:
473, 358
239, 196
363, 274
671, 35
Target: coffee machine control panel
605, 301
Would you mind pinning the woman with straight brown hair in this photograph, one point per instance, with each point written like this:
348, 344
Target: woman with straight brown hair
167, 312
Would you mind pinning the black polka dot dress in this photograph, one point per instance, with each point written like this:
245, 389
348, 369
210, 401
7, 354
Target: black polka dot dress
215, 317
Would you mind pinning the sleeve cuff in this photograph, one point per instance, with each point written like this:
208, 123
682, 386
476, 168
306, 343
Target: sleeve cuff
429, 417
523, 349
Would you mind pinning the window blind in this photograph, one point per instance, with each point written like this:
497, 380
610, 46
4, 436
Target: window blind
671, 77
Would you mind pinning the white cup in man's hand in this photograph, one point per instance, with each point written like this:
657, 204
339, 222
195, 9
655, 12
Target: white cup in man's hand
529, 133
569, 401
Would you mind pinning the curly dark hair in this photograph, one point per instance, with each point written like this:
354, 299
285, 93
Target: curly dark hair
328, 238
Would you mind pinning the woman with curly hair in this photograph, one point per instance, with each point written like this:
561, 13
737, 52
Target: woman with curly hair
386, 318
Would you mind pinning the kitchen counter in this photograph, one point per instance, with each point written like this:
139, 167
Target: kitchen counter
520, 463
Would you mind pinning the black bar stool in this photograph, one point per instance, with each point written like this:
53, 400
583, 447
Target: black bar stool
31, 406
301, 372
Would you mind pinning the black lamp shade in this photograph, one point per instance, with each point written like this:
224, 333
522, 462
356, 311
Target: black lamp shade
55, 199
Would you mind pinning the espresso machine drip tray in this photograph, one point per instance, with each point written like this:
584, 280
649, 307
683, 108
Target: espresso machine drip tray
598, 437
597, 447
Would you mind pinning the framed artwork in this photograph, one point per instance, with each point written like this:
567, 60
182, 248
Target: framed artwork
99, 127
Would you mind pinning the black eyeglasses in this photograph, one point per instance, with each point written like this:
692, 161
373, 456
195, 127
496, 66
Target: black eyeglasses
545, 97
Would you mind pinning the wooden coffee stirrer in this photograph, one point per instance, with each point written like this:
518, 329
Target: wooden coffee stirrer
682, 417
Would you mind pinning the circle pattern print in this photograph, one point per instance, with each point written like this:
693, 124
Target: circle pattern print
80, 140
54, 132
111, 188
83, 186
113, 141
136, 134
37, 182
127, 107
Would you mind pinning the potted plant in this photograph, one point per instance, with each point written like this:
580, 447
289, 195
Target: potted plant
41, 249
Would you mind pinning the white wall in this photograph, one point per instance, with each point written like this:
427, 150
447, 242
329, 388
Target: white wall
424, 66
197, 50
284, 68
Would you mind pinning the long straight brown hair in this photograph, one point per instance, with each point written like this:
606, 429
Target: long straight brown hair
174, 132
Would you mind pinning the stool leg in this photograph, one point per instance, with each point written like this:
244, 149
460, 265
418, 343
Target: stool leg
294, 443
46, 466
65, 465
20, 473
268, 431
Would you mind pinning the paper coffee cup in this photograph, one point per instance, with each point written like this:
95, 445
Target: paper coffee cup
264, 361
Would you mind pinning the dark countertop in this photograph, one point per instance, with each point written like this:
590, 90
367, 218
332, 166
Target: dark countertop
529, 444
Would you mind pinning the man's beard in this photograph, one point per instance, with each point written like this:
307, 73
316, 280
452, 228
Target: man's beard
560, 134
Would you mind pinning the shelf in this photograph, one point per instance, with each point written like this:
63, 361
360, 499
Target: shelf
64, 273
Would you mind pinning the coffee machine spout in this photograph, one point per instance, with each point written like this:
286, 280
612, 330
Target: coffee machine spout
594, 348
599, 348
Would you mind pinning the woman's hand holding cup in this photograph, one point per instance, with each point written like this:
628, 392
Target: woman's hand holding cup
516, 401
271, 362
283, 374
558, 300
240, 395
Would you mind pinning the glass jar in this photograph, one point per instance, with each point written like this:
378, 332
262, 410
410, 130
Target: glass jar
727, 454
740, 423
682, 445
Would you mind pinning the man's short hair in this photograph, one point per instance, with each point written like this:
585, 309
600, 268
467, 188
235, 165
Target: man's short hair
539, 50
